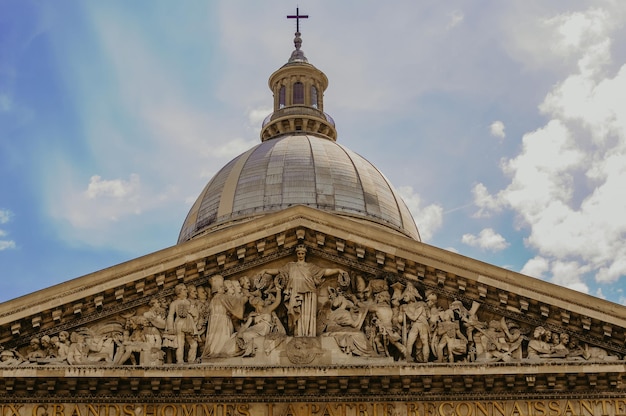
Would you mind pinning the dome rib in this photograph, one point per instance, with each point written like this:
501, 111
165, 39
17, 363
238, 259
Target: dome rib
315, 172
366, 184
405, 213
227, 199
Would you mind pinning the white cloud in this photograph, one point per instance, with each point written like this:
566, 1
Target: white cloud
102, 202
234, 147
569, 274
6, 103
487, 239
567, 182
256, 116
536, 267
116, 188
5, 216
614, 270
6, 244
583, 33
497, 129
485, 202
456, 18
428, 219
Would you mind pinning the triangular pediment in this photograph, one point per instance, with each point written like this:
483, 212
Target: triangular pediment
373, 299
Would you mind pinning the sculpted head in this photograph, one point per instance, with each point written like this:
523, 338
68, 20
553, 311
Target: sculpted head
431, 298
301, 252
555, 338
181, 290
202, 294
257, 303
244, 282
45, 341
192, 291
383, 297
236, 287
230, 287
217, 283
6, 355
547, 335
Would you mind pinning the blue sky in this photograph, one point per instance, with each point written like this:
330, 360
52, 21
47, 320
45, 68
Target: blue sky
503, 124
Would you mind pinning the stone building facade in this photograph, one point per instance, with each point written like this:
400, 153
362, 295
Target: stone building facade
299, 286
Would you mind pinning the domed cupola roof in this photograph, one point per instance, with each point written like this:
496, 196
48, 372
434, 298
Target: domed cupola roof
298, 162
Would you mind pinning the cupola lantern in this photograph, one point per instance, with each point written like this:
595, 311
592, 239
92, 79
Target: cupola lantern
298, 89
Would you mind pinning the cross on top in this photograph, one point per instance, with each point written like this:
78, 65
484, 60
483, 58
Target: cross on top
298, 16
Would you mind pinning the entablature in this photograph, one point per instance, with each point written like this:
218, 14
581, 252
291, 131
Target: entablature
427, 382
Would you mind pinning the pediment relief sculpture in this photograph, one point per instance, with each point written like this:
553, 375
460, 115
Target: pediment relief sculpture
302, 313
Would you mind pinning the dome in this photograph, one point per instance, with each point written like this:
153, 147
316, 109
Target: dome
298, 162
297, 169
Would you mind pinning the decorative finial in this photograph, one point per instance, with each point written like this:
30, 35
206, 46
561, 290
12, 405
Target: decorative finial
298, 55
298, 16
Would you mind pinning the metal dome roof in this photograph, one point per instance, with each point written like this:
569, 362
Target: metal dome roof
297, 169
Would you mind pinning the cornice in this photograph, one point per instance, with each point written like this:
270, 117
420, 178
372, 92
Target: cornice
395, 382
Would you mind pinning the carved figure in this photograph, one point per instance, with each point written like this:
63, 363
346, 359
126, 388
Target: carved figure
48, 347
597, 353
203, 310
8, 359
63, 345
495, 343
363, 292
414, 314
142, 339
514, 338
181, 323
246, 285
576, 352
303, 280
343, 313
127, 346
220, 327
448, 336
35, 351
344, 321
169, 340
229, 285
260, 323
157, 314
264, 284
78, 351
559, 345
537, 346
385, 333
